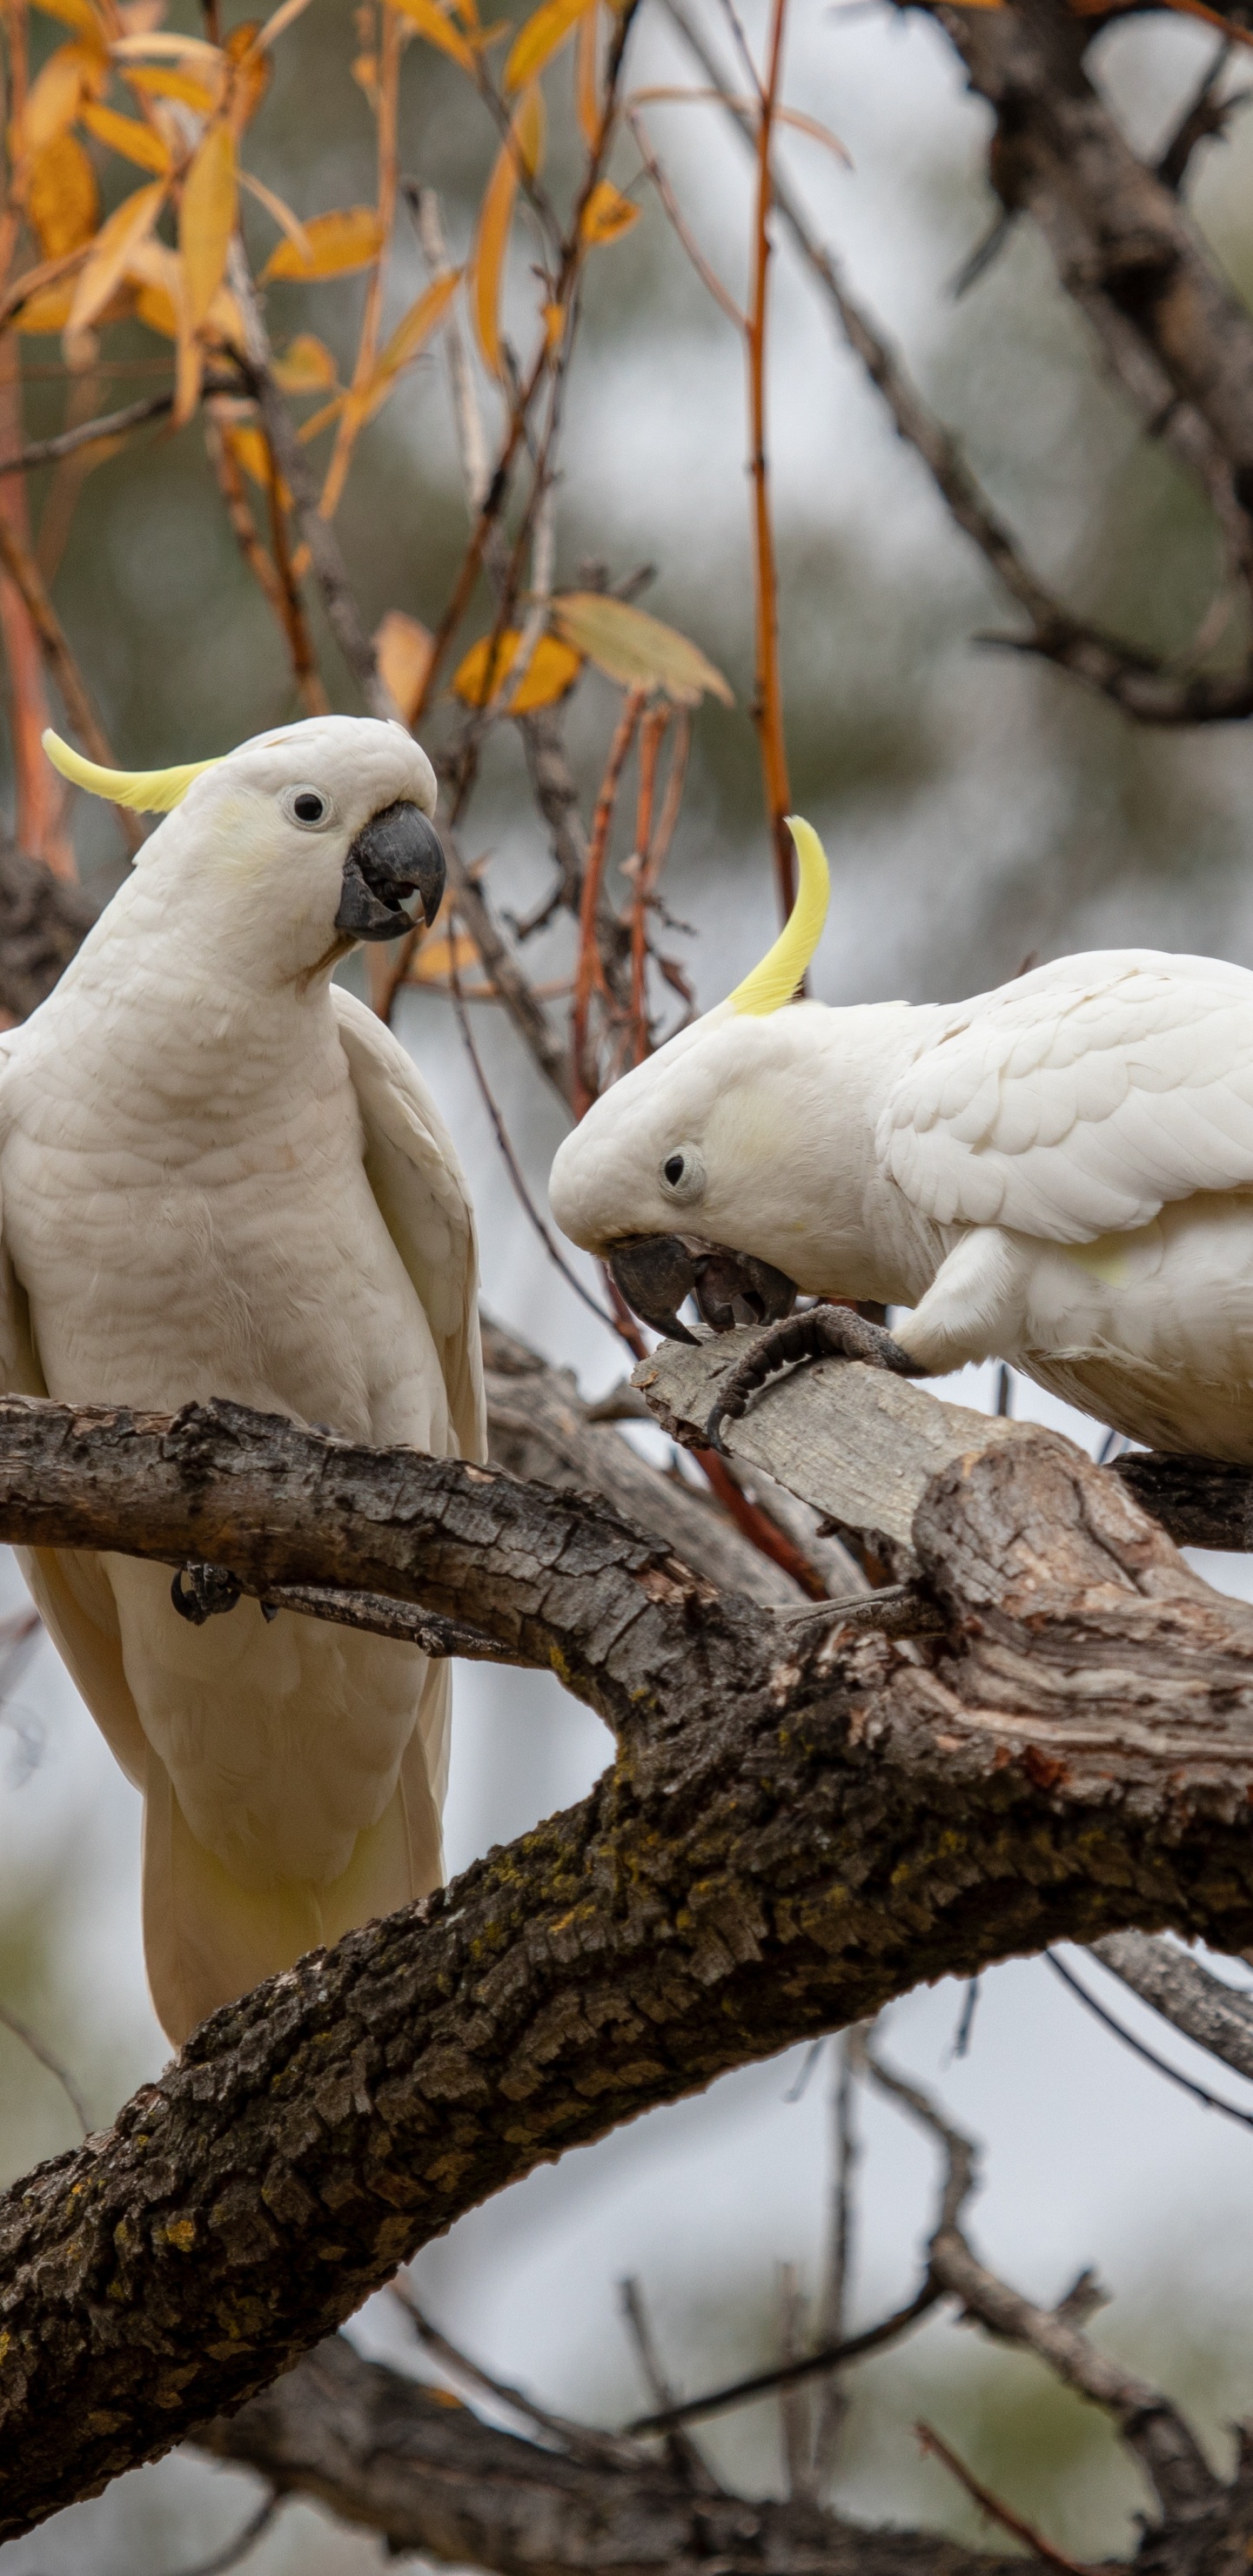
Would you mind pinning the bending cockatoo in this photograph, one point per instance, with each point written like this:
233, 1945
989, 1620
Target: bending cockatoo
220, 1176
1058, 1174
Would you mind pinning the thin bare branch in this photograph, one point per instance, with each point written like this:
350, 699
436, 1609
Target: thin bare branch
581, 2441
39, 2050
994, 2508
1216, 2016
1161, 2065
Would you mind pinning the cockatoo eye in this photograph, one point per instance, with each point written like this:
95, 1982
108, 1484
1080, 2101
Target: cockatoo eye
307, 808
683, 1174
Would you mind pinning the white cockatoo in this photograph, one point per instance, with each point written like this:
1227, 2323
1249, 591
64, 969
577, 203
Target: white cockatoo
221, 1176
1058, 1174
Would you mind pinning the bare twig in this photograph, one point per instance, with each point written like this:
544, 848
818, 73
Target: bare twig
763, 2383
1147, 689
768, 691
683, 2453
236, 2550
582, 2441
38, 2048
1164, 2444
590, 974
1139, 2048
832, 2403
994, 2508
27, 580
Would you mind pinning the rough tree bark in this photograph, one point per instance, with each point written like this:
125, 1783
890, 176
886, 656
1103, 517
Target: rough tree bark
803, 1820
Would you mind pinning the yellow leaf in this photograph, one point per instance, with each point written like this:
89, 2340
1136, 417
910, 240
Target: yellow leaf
402, 648
523, 147
108, 259
207, 218
54, 97
537, 41
155, 307
306, 366
163, 46
553, 669
154, 80
407, 339
607, 214
49, 310
62, 199
349, 239
252, 71
430, 22
586, 87
249, 448
554, 319
437, 958
78, 14
636, 650
125, 134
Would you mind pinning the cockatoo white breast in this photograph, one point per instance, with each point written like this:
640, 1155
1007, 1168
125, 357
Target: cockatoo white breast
1058, 1173
221, 1176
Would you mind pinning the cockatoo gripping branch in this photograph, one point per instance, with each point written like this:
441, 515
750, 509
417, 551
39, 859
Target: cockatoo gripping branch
801, 1821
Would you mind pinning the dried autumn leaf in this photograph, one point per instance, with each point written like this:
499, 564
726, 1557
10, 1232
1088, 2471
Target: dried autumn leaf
553, 668
430, 21
48, 310
409, 336
206, 218
306, 366
522, 150
127, 136
159, 80
402, 649
607, 214
586, 86
349, 239
163, 46
108, 258
279, 210
53, 102
635, 649
252, 70
439, 958
79, 14
62, 199
537, 41
249, 448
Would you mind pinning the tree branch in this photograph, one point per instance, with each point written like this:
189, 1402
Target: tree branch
801, 1823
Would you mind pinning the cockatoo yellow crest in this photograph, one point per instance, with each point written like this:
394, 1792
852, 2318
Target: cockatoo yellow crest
146, 791
220, 1175
784, 967
1058, 1173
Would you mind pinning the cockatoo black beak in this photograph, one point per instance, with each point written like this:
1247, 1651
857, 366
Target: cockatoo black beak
397, 854
656, 1272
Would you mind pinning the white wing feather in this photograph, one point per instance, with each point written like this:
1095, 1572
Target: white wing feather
412, 1167
1077, 1101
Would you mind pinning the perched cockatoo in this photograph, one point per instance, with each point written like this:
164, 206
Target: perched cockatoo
1058, 1174
221, 1176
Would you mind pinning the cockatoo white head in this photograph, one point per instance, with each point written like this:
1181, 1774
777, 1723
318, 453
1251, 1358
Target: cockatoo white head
679, 1173
288, 850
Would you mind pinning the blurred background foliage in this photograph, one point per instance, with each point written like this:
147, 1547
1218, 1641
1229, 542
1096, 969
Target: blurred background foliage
977, 807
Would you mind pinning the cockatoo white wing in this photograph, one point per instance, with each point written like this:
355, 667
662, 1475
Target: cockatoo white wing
69, 1591
412, 1167
1077, 1101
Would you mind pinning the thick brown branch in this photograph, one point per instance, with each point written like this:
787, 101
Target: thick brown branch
395, 2457
1185, 1993
787, 1839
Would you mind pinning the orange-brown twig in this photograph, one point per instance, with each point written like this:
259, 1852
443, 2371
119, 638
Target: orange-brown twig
652, 734
291, 607
995, 2510
768, 694
388, 94
590, 974
573, 251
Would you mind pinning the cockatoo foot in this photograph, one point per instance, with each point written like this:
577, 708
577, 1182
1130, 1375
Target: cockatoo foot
200, 1591
819, 1333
